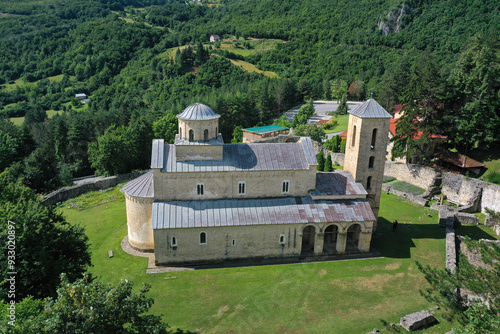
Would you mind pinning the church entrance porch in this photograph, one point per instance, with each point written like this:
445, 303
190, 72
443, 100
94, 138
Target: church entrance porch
308, 237
330, 240
352, 243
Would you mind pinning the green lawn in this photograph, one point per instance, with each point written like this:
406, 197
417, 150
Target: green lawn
326, 297
20, 120
343, 121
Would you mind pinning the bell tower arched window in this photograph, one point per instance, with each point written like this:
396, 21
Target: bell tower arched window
374, 138
371, 162
353, 141
369, 183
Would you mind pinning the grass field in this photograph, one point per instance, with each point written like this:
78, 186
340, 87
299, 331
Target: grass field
325, 297
20, 83
343, 121
251, 68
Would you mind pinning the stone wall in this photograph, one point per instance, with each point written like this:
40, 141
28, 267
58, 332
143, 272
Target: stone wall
473, 195
419, 176
418, 200
466, 218
66, 193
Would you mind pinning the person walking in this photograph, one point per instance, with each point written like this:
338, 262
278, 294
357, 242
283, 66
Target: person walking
395, 225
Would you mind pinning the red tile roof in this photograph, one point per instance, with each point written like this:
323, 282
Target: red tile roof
458, 160
417, 135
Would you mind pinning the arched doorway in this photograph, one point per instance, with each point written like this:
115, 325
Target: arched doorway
330, 240
353, 233
308, 236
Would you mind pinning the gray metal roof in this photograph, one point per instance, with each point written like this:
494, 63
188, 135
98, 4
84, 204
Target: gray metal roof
370, 109
141, 186
337, 183
198, 112
238, 212
240, 157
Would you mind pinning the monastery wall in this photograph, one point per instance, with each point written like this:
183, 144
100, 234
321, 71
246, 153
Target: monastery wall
221, 185
417, 175
250, 241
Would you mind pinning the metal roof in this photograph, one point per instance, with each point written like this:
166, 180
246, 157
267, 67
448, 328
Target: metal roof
141, 186
337, 183
370, 109
240, 157
198, 112
266, 129
238, 212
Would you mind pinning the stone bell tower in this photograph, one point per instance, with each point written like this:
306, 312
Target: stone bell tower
366, 146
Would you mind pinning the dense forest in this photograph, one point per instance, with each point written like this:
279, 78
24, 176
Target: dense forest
142, 62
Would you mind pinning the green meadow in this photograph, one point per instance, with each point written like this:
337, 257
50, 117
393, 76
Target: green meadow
348, 296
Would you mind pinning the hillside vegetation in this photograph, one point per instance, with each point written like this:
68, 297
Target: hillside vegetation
273, 56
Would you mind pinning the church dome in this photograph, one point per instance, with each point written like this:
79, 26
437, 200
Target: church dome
198, 112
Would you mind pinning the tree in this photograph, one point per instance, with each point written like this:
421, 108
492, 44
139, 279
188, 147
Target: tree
305, 112
476, 95
316, 133
283, 121
166, 128
237, 135
328, 163
481, 314
422, 109
91, 306
343, 145
356, 90
338, 88
342, 108
321, 161
46, 245
109, 154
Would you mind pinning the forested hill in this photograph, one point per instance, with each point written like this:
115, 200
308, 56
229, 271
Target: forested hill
142, 61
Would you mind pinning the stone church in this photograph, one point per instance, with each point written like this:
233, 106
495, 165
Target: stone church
205, 200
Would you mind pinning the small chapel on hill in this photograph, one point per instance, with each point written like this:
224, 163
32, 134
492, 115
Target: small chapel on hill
206, 201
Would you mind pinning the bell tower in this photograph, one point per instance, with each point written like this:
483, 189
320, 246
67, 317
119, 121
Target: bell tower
366, 146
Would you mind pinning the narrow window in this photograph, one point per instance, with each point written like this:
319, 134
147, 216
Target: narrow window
216, 133
174, 242
369, 183
353, 142
282, 239
205, 135
180, 133
234, 242
286, 186
203, 238
199, 188
241, 188
374, 138
371, 162
191, 135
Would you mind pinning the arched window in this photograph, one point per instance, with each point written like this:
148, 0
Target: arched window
353, 142
191, 135
371, 162
205, 135
174, 242
180, 133
369, 183
203, 238
374, 138
216, 133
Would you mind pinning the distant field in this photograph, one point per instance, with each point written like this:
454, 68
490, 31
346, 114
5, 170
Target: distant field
326, 297
20, 120
342, 124
21, 83
251, 68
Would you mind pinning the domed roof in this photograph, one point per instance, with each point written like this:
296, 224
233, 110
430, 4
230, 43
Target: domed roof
198, 112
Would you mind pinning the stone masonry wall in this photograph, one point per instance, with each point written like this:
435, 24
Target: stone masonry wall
417, 175
66, 193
